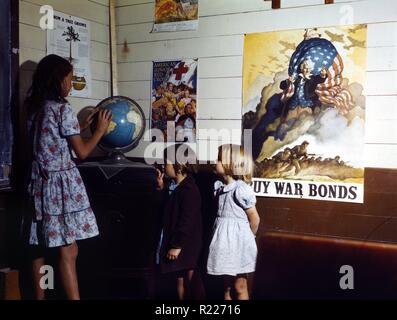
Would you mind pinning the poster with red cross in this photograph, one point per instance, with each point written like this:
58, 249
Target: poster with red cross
174, 101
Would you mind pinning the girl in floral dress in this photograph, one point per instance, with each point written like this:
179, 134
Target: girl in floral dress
62, 210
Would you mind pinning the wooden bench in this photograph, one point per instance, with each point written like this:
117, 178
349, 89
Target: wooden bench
294, 266
9, 285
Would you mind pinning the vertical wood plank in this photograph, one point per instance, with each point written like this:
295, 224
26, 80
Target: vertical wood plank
113, 48
276, 4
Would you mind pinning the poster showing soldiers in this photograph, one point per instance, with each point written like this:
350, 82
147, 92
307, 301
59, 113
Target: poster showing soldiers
70, 39
175, 15
174, 100
303, 100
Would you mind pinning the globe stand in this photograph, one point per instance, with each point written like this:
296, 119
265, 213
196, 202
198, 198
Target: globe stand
116, 157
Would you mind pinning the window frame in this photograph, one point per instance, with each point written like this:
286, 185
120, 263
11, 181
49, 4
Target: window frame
9, 68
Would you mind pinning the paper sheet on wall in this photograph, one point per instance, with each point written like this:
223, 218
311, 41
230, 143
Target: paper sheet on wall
70, 39
175, 15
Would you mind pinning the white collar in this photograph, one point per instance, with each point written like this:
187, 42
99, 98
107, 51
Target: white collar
305, 77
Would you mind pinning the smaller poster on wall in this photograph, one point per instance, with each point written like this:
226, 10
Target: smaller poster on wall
175, 15
70, 39
174, 100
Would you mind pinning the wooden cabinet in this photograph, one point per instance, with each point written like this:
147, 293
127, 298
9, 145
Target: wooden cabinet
119, 262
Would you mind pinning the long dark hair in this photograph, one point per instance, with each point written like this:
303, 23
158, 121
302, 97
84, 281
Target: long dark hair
47, 82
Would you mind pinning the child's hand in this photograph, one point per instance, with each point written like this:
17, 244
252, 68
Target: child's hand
88, 120
104, 118
173, 254
43, 173
160, 180
254, 219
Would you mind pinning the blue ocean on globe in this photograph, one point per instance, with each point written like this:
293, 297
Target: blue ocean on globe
121, 129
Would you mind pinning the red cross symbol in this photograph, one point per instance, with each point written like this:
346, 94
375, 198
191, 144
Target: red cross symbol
180, 71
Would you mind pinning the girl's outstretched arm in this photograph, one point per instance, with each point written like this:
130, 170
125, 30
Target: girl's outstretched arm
253, 218
84, 148
88, 120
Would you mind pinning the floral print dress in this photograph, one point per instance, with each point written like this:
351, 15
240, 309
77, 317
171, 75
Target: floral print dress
62, 210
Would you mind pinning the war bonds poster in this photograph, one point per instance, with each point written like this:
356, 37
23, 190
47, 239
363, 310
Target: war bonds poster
303, 100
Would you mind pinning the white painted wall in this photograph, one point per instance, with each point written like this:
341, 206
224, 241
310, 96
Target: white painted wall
219, 44
33, 42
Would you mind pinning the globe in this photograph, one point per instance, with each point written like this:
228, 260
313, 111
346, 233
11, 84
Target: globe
126, 128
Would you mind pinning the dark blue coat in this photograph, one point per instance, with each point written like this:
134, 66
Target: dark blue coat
182, 227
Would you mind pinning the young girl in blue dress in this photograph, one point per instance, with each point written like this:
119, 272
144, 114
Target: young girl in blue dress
62, 212
233, 251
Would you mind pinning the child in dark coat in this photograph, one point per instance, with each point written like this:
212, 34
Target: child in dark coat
181, 239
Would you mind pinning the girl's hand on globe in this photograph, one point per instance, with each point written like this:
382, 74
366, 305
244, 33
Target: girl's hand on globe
88, 120
104, 118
